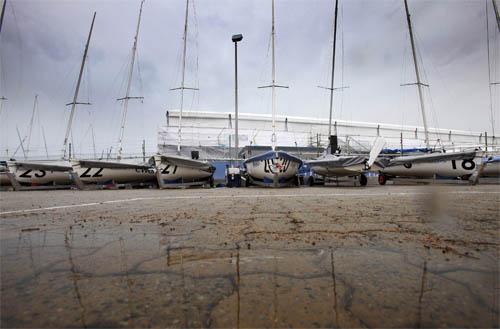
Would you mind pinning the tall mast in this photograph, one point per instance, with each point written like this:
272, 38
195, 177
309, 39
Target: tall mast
417, 73
184, 46
129, 83
2, 14
77, 89
333, 68
2, 98
273, 85
497, 17
492, 118
183, 87
30, 127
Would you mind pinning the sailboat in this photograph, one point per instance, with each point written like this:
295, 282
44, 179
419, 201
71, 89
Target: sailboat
450, 164
176, 170
97, 171
332, 164
273, 168
60, 172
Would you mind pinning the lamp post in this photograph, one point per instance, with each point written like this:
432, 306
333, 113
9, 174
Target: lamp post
236, 38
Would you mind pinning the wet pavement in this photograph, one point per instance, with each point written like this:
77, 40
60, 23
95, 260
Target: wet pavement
308, 257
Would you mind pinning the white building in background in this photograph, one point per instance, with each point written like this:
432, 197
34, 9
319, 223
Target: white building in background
212, 133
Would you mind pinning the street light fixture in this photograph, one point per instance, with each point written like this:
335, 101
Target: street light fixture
236, 38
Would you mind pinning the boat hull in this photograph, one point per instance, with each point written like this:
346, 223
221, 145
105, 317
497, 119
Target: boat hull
446, 169
174, 172
273, 169
40, 173
94, 172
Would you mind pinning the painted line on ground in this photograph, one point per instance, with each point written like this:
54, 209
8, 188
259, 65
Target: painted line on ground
251, 196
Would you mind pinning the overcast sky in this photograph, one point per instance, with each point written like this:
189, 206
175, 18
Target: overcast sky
42, 41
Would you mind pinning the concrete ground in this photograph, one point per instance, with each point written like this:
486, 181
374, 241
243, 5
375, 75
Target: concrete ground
380, 256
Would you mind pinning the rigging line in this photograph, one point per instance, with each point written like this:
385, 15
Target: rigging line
426, 78
402, 91
21, 51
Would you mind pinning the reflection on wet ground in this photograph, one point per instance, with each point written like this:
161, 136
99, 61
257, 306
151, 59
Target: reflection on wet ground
73, 278
90, 274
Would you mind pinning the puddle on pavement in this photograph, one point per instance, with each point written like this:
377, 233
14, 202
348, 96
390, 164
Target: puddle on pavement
118, 278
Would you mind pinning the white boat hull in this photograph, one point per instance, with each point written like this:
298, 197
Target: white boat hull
40, 173
100, 173
180, 172
273, 169
449, 169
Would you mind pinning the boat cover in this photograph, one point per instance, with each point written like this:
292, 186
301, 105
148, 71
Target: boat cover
408, 150
111, 165
335, 161
42, 166
492, 159
186, 162
273, 155
433, 157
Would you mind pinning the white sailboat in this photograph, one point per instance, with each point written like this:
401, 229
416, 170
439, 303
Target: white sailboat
100, 171
59, 172
332, 164
176, 170
273, 168
449, 164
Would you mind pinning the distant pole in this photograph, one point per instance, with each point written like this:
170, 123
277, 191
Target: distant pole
45, 143
143, 150
21, 141
401, 142
236, 38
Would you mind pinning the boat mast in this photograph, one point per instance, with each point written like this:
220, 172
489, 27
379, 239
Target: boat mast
2, 14
184, 46
497, 17
129, 83
492, 118
30, 129
2, 98
417, 73
333, 70
77, 89
273, 85
183, 87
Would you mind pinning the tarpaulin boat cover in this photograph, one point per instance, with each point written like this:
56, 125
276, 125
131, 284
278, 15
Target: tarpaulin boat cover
42, 166
185, 162
111, 165
492, 159
408, 150
335, 161
274, 155
433, 157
